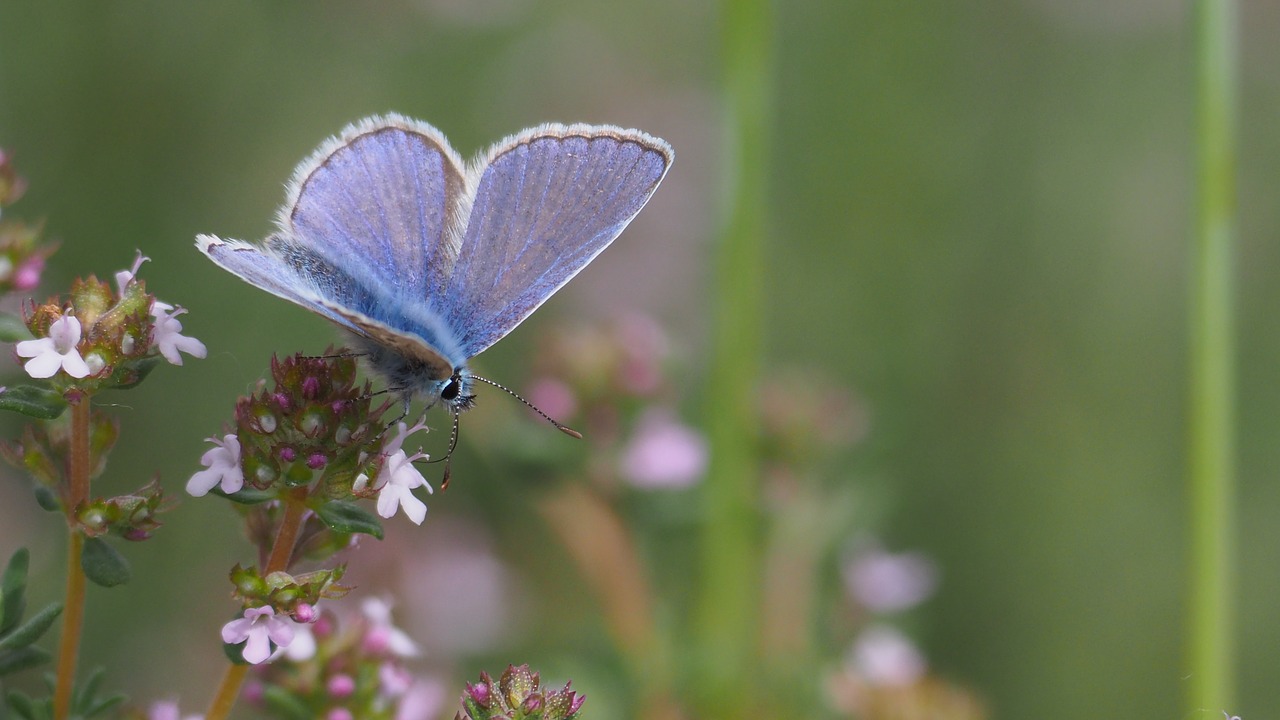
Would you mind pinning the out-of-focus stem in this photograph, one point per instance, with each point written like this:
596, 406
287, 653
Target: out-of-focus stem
1212, 383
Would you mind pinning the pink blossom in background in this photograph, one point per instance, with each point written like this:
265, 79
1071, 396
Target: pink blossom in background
663, 453
553, 397
461, 591
883, 581
645, 349
884, 656
424, 700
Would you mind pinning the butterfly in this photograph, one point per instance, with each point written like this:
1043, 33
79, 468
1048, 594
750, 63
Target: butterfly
425, 260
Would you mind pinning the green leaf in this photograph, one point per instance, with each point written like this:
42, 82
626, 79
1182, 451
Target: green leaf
31, 630
47, 499
133, 373
22, 704
17, 660
286, 704
33, 401
83, 694
245, 495
348, 517
13, 586
103, 564
104, 705
12, 329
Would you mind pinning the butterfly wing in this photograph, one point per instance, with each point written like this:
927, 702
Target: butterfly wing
293, 272
379, 198
363, 240
543, 204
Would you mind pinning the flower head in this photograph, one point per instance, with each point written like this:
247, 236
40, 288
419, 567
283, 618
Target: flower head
56, 352
257, 630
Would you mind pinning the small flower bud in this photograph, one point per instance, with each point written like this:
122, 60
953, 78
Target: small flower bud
305, 613
480, 693
340, 686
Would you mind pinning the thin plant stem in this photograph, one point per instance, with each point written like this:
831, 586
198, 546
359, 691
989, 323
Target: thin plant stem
73, 615
295, 510
728, 603
1211, 459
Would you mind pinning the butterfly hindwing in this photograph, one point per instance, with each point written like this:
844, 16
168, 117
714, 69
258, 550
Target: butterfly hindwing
542, 204
380, 198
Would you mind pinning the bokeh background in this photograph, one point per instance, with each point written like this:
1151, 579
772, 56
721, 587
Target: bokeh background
980, 219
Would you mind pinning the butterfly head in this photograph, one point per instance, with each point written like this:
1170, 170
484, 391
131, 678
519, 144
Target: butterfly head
456, 391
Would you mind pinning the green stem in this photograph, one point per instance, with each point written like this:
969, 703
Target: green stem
728, 605
295, 510
1212, 408
73, 615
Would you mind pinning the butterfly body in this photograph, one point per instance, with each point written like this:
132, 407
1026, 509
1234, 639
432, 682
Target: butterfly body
425, 260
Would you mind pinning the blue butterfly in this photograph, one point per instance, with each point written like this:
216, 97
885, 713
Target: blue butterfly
425, 260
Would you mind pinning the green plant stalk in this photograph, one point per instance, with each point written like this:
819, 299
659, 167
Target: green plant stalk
73, 616
1211, 647
726, 627
295, 511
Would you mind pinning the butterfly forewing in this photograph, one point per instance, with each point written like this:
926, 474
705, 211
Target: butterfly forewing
379, 200
544, 204
289, 275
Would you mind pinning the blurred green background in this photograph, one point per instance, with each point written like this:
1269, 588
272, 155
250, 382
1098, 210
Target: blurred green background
980, 224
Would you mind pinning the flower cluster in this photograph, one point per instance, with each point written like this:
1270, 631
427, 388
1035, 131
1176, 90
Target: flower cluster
317, 429
101, 337
340, 667
518, 694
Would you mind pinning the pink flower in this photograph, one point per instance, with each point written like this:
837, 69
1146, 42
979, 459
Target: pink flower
423, 701
222, 465
257, 630
888, 582
28, 273
663, 453
56, 352
554, 398
383, 636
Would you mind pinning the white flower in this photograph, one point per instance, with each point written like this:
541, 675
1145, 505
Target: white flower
222, 465
168, 334
257, 630
56, 352
398, 478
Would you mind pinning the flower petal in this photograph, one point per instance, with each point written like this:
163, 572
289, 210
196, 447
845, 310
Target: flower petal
44, 365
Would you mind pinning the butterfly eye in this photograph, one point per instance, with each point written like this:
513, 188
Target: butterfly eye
450, 391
